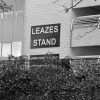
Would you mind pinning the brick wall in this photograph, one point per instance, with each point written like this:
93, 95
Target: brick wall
42, 12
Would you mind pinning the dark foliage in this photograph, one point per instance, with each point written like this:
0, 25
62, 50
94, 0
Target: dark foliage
63, 81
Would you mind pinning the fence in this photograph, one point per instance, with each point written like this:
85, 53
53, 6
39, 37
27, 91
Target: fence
49, 60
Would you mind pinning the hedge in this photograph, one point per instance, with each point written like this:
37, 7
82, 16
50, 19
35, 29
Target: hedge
51, 82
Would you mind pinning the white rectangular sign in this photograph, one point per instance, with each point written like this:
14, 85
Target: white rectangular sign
86, 31
85, 3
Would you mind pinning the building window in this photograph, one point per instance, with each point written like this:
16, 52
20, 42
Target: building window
6, 49
16, 48
10, 48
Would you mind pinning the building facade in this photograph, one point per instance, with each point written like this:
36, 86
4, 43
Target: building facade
11, 27
39, 12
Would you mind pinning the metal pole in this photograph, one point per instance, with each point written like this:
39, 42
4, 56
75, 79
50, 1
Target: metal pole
2, 15
12, 30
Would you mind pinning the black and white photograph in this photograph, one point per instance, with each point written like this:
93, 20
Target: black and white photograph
49, 49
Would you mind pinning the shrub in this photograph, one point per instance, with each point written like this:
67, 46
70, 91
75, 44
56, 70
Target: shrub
51, 82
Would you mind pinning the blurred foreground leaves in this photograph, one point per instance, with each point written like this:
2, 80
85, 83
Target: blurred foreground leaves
63, 81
